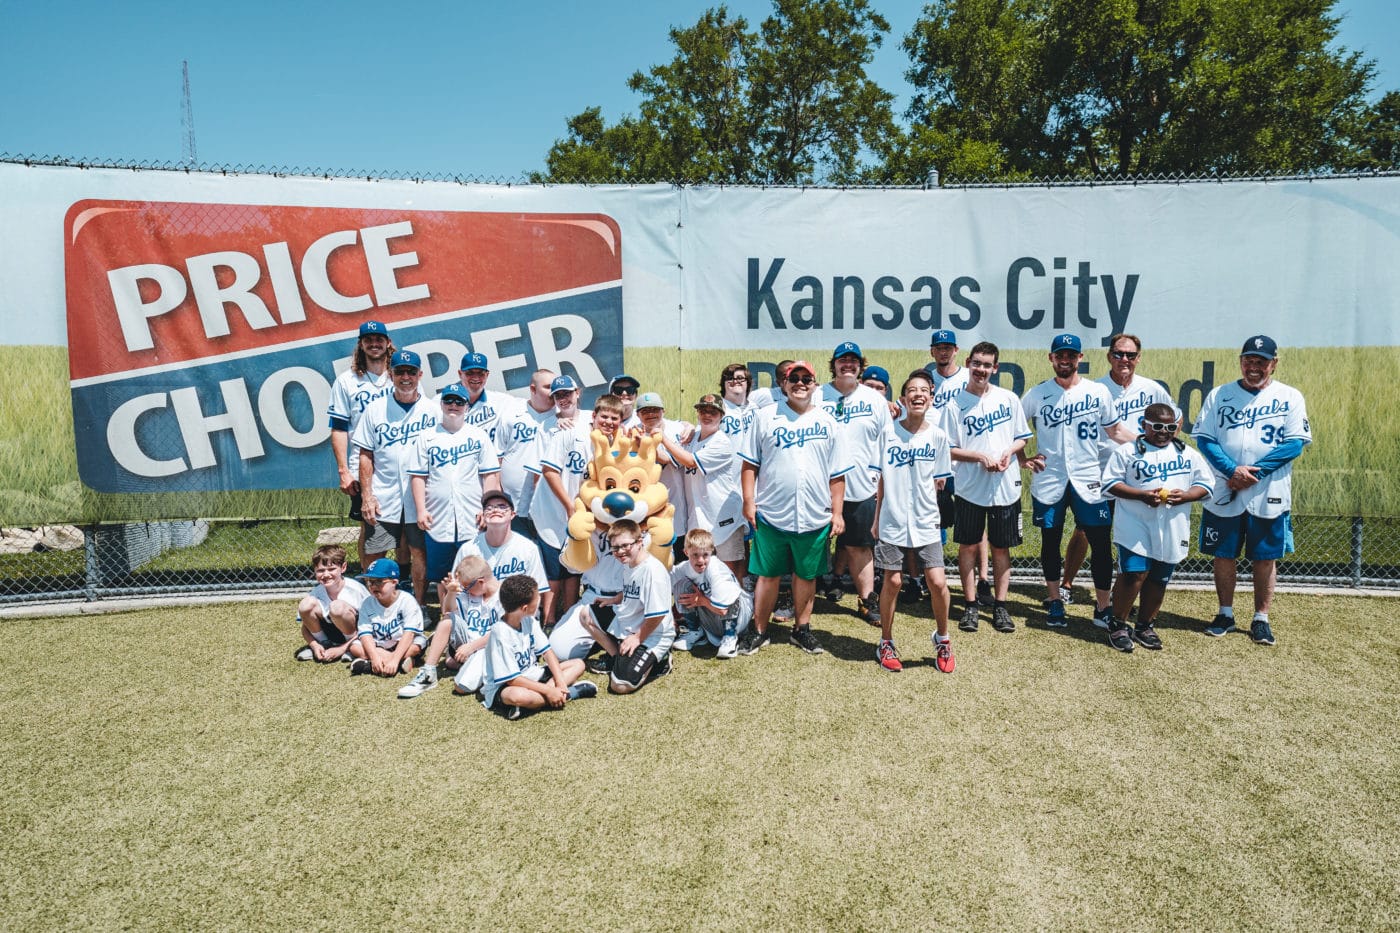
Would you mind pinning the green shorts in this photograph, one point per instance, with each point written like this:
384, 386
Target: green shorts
775, 552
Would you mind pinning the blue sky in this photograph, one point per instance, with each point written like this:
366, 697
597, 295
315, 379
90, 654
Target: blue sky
470, 88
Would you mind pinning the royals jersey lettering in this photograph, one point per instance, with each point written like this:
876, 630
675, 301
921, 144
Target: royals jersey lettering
351, 394
390, 431
516, 434
946, 388
1248, 426
861, 418
388, 623
1130, 401
646, 595
910, 466
472, 618
797, 456
1162, 533
452, 464
1069, 424
567, 452
512, 653
989, 423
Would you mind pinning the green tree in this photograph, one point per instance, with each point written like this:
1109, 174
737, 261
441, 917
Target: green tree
1376, 136
1100, 87
790, 102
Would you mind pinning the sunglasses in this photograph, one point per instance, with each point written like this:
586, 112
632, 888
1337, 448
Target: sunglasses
1168, 427
1123, 354
737, 380
405, 371
496, 506
620, 390
801, 380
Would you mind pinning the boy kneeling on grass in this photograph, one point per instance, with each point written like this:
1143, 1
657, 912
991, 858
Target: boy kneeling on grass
638, 641
515, 680
470, 607
390, 631
712, 605
328, 613
1151, 477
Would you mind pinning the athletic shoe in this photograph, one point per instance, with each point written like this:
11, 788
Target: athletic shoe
1221, 625
583, 690
969, 619
830, 588
1146, 636
1066, 594
1260, 632
1120, 639
514, 712
346, 657
661, 668
1103, 618
944, 657
783, 612
1001, 620
752, 640
1055, 613
803, 638
868, 609
888, 657
304, 653
360, 666
985, 597
422, 682
602, 664
687, 640
728, 646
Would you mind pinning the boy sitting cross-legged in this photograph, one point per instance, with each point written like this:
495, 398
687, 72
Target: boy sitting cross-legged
390, 631
712, 605
327, 614
470, 607
515, 680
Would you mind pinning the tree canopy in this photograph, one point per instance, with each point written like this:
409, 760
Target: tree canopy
1010, 88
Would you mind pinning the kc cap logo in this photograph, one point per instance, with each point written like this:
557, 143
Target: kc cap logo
848, 348
1260, 346
405, 358
1066, 342
373, 327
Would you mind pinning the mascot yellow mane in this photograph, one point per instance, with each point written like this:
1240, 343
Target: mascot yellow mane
624, 481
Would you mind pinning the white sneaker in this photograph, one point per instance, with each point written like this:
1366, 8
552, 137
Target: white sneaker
687, 640
423, 681
728, 646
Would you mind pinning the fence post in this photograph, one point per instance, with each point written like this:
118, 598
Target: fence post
1356, 536
91, 575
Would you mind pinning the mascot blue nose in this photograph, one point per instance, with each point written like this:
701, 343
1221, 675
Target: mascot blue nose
618, 503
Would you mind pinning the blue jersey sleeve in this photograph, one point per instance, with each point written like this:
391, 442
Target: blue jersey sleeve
1281, 456
1215, 455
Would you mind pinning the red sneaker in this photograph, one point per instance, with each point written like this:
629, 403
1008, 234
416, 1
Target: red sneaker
888, 657
944, 659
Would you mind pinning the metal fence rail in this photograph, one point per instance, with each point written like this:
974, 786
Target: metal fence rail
100, 562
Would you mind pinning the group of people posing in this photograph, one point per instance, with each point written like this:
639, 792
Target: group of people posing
476, 488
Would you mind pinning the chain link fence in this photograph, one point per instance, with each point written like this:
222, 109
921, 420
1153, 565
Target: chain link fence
97, 562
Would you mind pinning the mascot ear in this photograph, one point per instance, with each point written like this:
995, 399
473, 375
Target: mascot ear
600, 445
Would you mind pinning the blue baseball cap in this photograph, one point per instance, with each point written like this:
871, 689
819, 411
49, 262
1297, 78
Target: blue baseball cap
373, 327
876, 372
382, 569
943, 336
456, 390
1066, 342
622, 377
847, 349
1260, 345
474, 361
406, 358
562, 384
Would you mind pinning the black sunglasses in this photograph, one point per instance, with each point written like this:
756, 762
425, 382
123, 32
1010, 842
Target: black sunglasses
804, 380
1123, 354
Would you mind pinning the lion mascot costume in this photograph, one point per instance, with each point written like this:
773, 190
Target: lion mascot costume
624, 481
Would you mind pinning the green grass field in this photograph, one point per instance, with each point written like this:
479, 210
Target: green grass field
178, 782
1347, 472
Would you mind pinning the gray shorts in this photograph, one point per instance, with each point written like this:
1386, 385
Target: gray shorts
891, 556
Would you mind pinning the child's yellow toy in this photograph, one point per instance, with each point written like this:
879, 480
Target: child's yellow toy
624, 481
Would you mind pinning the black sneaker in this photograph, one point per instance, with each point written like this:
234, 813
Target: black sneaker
803, 638
1055, 613
831, 588
1119, 638
602, 664
1103, 618
1001, 620
868, 608
969, 619
1260, 632
583, 690
661, 668
360, 666
1146, 636
752, 640
1220, 626
985, 597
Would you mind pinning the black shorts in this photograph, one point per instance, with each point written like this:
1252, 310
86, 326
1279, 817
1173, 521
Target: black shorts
633, 669
357, 500
406, 532
1001, 522
947, 514
859, 517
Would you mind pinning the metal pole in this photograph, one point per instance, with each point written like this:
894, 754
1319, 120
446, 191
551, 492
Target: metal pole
91, 576
1356, 536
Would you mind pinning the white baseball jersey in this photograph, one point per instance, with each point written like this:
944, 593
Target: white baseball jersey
717, 582
797, 455
452, 464
569, 451
765, 397
350, 396
472, 618
390, 430
673, 476
646, 595
388, 623
517, 554
988, 424
910, 465
511, 653
516, 433
1248, 426
1131, 401
1162, 533
946, 388
712, 487
861, 417
489, 409
1068, 426
605, 578
736, 420
352, 593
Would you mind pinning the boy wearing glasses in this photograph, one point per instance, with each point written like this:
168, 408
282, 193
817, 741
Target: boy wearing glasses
506, 551
638, 640
469, 608
1153, 478
452, 465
